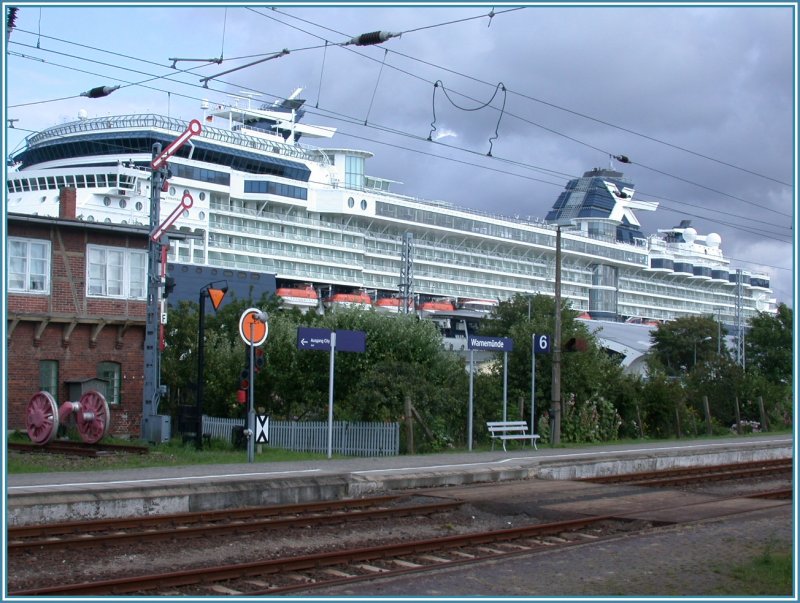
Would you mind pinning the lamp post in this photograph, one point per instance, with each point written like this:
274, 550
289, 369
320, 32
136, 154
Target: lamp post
696, 341
216, 291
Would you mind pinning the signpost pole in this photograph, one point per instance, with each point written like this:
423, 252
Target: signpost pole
251, 412
469, 413
533, 384
330, 395
505, 386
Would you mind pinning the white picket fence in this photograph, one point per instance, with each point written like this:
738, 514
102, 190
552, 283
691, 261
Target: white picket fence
350, 439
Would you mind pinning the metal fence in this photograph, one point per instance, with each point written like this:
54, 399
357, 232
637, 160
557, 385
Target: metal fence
350, 439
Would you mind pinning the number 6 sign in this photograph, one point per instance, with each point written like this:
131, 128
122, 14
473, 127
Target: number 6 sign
541, 344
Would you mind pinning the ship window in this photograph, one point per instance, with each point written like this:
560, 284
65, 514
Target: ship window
202, 196
51, 182
139, 206
185, 213
354, 172
28, 265
171, 190
202, 215
122, 203
60, 183
351, 202
106, 201
90, 181
363, 204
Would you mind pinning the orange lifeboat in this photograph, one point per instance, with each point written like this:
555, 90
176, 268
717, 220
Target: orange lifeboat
437, 306
304, 296
348, 300
585, 316
392, 305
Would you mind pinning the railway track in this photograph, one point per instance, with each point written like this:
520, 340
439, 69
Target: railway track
267, 573
71, 448
274, 576
693, 475
337, 567
84, 534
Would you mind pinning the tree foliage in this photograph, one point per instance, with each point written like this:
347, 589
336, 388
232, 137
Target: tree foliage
683, 344
587, 376
768, 345
404, 359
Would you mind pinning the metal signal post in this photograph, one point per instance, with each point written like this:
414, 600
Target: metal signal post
153, 426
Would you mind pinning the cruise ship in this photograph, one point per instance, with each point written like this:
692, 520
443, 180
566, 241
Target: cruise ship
267, 200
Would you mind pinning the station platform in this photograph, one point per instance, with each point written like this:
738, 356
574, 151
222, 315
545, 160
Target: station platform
56, 497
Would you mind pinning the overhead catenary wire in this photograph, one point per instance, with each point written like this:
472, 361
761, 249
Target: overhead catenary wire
185, 83
355, 121
534, 99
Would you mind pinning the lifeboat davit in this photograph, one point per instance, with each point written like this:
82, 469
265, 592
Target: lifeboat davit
348, 300
298, 297
479, 305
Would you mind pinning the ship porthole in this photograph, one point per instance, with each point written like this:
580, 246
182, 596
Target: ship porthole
123, 204
90, 218
351, 202
363, 204
185, 213
202, 196
106, 201
139, 206
202, 214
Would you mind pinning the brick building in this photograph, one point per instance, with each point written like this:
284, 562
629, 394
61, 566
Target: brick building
76, 309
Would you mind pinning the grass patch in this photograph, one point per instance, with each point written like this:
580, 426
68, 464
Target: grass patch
770, 573
169, 454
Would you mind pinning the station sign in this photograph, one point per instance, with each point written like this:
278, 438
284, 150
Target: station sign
490, 344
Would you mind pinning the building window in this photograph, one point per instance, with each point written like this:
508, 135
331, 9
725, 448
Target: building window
48, 377
115, 272
28, 265
112, 373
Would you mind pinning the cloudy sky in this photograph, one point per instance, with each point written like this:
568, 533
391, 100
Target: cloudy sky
701, 99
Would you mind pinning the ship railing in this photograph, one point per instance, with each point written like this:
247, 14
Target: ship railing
172, 125
286, 218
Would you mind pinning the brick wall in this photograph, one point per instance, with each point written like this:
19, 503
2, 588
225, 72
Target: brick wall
77, 361
63, 326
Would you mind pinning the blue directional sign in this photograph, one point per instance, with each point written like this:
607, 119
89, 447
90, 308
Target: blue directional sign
351, 341
490, 344
311, 338
541, 344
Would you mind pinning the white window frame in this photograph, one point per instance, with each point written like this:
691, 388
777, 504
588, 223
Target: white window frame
116, 272
28, 273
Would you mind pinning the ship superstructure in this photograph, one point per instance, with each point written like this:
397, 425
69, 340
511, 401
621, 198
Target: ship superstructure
265, 201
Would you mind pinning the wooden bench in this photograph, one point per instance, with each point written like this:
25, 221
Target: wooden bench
510, 430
